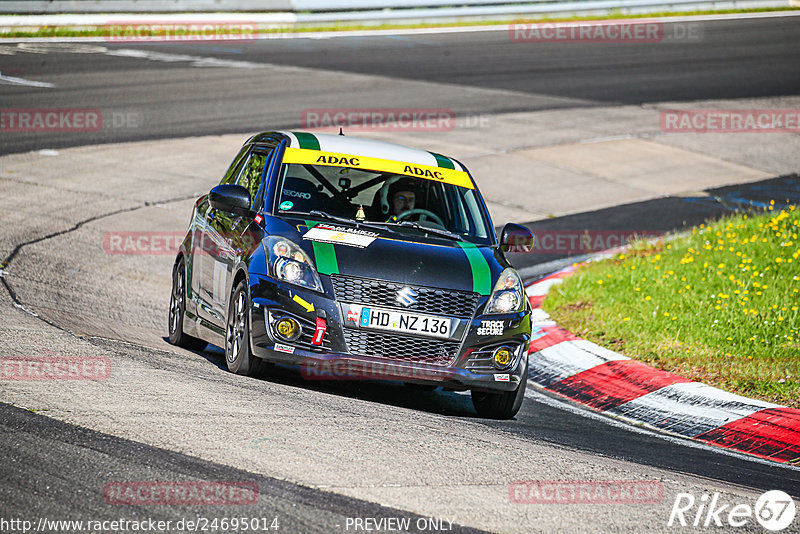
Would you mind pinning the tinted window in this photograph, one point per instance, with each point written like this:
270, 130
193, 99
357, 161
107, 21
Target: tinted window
236, 165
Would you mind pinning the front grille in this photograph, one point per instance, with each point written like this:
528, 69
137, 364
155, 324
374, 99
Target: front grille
401, 348
460, 304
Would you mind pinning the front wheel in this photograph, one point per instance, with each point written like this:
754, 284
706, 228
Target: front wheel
238, 356
501, 405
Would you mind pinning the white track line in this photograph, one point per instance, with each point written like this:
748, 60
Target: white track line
13, 80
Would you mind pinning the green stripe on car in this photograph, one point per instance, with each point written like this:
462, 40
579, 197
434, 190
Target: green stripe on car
324, 255
307, 140
481, 273
443, 161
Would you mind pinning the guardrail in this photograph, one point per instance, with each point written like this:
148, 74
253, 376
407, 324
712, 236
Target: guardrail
390, 9
289, 15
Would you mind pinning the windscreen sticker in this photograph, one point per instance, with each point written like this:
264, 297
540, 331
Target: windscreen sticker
443, 161
307, 140
438, 174
340, 236
286, 205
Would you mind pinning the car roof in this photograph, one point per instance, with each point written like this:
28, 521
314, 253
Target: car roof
369, 148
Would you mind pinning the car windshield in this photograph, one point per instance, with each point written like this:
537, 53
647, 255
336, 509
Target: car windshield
409, 204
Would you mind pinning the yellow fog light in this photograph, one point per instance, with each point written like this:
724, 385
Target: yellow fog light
287, 328
502, 357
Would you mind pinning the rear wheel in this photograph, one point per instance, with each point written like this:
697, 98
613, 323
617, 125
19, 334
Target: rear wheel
238, 356
177, 311
501, 405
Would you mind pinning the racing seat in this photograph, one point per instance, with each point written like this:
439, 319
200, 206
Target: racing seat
303, 194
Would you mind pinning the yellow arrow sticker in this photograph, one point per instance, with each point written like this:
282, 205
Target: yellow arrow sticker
437, 174
306, 305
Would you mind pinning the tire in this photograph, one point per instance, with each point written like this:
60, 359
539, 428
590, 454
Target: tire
501, 405
177, 311
238, 356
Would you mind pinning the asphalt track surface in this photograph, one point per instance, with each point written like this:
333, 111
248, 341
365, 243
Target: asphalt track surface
733, 59
33, 440
739, 59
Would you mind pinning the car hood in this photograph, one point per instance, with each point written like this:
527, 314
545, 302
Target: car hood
440, 263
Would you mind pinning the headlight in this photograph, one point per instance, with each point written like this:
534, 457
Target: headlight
289, 263
508, 296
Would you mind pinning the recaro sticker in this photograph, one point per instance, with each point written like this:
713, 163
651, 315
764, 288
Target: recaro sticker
437, 174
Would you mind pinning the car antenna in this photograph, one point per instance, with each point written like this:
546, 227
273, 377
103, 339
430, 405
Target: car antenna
340, 131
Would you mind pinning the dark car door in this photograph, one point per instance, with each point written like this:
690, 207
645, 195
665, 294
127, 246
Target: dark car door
200, 301
227, 237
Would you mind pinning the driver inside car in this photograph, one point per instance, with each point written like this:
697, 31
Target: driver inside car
403, 201
401, 197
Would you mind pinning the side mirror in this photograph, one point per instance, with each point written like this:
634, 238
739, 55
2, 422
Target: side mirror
516, 238
231, 198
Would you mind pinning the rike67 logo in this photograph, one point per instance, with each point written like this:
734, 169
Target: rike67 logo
774, 510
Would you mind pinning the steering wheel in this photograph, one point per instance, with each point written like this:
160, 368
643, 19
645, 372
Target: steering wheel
421, 212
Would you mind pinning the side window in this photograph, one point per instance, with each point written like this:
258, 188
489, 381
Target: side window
233, 170
252, 172
473, 213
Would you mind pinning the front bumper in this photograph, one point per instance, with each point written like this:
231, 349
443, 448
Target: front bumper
468, 364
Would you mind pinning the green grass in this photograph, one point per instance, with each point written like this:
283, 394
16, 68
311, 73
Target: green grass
717, 305
102, 31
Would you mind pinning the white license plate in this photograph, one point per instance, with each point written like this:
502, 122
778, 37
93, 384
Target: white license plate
411, 323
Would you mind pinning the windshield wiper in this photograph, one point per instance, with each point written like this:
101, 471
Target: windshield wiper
359, 224
386, 226
428, 229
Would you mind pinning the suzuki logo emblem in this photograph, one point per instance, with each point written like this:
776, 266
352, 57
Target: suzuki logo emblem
407, 297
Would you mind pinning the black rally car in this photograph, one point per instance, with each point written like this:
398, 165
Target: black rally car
355, 259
